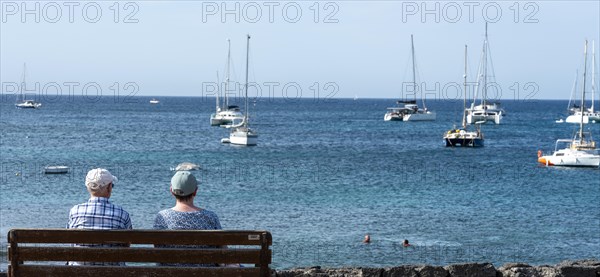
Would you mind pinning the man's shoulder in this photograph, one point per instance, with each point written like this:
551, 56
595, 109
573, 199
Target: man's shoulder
118, 207
78, 206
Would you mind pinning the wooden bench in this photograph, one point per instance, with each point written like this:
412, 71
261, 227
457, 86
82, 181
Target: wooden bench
44, 252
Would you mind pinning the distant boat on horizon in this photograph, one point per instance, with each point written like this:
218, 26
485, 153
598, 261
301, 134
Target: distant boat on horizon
242, 134
225, 114
154, 101
486, 110
590, 115
23, 103
410, 111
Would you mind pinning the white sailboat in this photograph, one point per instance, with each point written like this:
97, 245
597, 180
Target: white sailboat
581, 150
463, 137
23, 103
485, 111
590, 115
225, 114
242, 134
410, 111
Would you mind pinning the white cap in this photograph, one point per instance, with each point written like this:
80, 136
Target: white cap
98, 178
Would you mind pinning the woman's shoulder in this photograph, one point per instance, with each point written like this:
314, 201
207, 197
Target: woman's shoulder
201, 212
165, 211
207, 212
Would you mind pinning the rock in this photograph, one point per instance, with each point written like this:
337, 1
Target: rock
582, 268
400, 271
525, 272
546, 271
515, 270
371, 272
431, 271
298, 272
472, 269
342, 272
513, 265
577, 271
591, 263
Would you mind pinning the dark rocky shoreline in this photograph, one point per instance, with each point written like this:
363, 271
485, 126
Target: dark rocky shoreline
581, 268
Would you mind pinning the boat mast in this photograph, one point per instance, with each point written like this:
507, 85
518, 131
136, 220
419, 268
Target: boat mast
218, 92
464, 118
485, 58
227, 74
573, 91
583, 93
246, 86
593, 73
24, 83
412, 50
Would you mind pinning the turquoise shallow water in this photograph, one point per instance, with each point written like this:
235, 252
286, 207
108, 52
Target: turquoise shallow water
324, 174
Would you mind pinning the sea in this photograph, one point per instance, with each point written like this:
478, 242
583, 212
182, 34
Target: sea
325, 173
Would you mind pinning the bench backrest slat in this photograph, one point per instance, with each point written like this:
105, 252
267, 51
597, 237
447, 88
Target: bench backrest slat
92, 271
179, 237
138, 254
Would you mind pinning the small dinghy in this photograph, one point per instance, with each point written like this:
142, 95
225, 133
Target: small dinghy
56, 169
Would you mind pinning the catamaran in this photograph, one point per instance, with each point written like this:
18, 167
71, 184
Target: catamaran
226, 114
241, 134
410, 111
590, 115
579, 151
23, 103
463, 137
486, 110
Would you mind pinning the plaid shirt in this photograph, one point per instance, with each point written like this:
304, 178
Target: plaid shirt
98, 213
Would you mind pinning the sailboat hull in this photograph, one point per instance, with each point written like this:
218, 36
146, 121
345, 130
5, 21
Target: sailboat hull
28, 105
392, 117
569, 157
484, 116
463, 142
427, 116
225, 117
25, 106
587, 118
219, 121
403, 115
247, 138
463, 138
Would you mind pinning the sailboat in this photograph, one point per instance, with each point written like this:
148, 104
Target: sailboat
463, 137
579, 151
226, 114
410, 111
590, 115
241, 134
23, 103
485, 111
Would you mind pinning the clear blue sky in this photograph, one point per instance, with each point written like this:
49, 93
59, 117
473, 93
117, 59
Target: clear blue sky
173, 47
